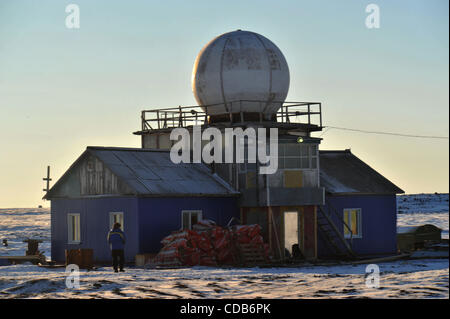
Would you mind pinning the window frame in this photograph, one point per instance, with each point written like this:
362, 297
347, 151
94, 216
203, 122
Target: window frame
70, 233
111, 219
190, 212
312, 156
358, 226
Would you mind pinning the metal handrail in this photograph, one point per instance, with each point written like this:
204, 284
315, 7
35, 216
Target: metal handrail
340, 235
182, 116
341, 219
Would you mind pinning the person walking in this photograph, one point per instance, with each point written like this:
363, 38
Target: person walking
116, 240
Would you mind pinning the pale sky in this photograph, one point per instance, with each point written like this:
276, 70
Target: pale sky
64, 89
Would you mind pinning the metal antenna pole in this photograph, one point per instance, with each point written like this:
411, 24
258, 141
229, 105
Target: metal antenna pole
47, 179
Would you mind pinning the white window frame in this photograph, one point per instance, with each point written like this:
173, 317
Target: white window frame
190, 212
312, 157
111, 219
359, 221
71, 238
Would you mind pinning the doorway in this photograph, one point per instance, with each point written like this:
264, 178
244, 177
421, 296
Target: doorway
291, 230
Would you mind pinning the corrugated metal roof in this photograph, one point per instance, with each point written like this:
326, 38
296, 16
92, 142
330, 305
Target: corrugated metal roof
151, 172
341, 172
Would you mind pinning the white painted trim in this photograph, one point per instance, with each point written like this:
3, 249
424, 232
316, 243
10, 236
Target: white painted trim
359, 210
190, 211
111, 214
70, 235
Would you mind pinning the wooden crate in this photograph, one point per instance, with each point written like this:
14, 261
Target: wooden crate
84, 258
87, 258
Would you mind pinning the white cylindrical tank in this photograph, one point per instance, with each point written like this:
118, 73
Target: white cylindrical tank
240, 71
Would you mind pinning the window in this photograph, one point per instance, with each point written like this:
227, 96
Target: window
189, 218
73, 228
352, 217
314, 156
116, 217
297, 156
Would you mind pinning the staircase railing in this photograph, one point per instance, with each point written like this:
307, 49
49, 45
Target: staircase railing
341, 219
339, 234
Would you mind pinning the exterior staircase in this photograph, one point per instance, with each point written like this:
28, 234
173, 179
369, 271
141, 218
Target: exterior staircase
332, 236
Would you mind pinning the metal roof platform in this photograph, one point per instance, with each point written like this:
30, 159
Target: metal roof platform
293, 116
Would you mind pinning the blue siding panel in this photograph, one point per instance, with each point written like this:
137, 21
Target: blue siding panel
146, 221
94, 220
158, 217
378, 219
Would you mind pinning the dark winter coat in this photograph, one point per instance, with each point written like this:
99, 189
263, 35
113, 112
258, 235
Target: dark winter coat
116, 239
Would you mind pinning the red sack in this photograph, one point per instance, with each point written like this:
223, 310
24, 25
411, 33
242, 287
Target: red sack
193, 258
204, 224
255, 230
222, 242
174, 236
208, 245
257, 240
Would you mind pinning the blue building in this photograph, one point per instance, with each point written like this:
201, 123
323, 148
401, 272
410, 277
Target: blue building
316, 204
140, 188
361, 204
151, 197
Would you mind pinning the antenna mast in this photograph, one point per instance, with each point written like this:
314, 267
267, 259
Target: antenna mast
47, 179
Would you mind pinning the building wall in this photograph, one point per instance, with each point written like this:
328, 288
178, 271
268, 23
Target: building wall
158, 217
94, 225
378, 221
146, 221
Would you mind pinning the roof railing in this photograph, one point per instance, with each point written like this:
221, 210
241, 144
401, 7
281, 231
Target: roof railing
184, 116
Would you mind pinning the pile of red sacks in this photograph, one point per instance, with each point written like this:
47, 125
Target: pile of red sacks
208, 245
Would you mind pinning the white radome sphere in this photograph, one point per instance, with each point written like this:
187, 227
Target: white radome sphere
237, 66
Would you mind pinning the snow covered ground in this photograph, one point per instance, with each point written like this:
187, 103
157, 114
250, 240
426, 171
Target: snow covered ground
405, 279
18, 224
402, 279
419, 209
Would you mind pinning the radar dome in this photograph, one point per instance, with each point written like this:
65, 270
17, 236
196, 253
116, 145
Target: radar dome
240, 71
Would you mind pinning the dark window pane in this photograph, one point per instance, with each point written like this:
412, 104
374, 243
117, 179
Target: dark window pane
281, 162
194, 219
185, 220
292, 150
292, 162
305, 162
280, 149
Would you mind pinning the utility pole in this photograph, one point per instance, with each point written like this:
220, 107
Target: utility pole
47, 179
